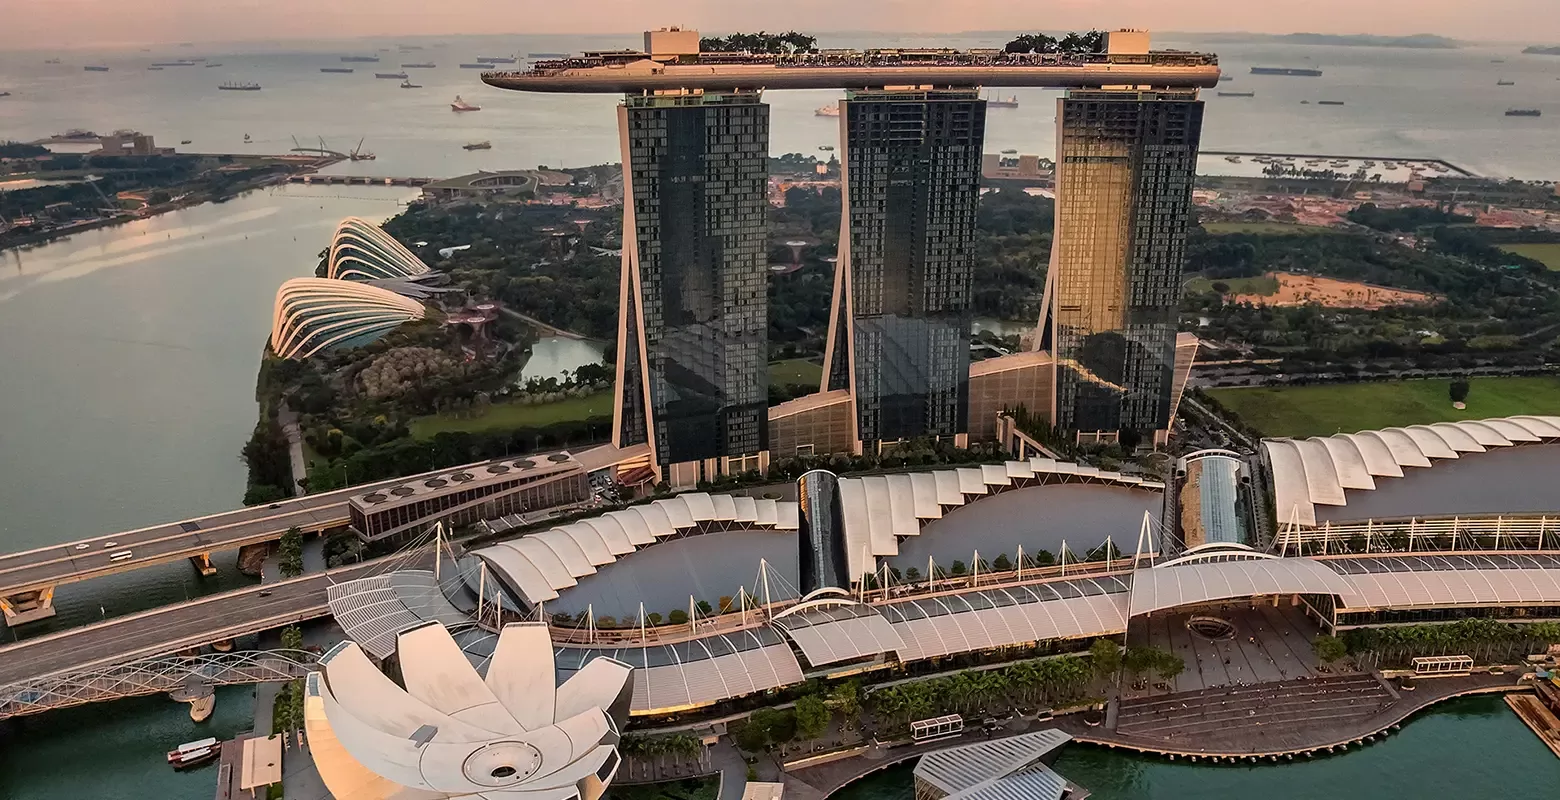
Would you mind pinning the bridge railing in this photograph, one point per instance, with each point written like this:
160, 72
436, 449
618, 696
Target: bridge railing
152, 676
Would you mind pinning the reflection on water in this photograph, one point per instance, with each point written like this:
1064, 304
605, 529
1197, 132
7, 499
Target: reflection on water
556, 356
1474, 747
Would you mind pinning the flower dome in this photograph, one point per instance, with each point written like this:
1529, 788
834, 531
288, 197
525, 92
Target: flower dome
362, 251
315, 314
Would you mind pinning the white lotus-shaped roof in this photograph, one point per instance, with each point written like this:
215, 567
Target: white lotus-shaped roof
362, 251
314, 314
451, 732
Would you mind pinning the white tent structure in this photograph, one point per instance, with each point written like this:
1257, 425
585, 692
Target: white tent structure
452, 733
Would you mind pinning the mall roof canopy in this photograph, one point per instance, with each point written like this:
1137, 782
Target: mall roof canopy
698, 672
848, 632
1169, 586
980, 620
1409, 581
880, 509
1321, 471
540, 565
375, 610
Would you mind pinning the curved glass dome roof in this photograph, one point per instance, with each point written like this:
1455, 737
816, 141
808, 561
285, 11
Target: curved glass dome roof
362, 251
315, 314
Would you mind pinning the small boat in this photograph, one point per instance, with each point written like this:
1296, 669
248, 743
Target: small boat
51, 61
192, 754
4, 93
1232, 159
214, 64
407, 84
344, 70
1504, 82
462, 105
185, 141
91, 68
827, 148
1524, 112
477, 146
247, 140
240, 86
1223, 78
397, 76
1003, 102
826, 111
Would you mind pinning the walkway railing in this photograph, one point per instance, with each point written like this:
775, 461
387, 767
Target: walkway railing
154, 676
1414, 535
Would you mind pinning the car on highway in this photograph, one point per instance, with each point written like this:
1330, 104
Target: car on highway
83, 546
107, 545
265, 592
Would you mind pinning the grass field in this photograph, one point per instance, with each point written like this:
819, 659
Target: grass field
1217, 228
795, 370
1261, 285
1346, 408
509, 416
1547, 253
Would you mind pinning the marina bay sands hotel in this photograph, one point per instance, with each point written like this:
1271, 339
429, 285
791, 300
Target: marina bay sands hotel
692, 371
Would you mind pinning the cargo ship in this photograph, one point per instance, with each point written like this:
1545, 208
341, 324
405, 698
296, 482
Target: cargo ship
1294, 72
546, 55
90, 68
407, 84
1504, 82
1237, 94
214, 64
1329, 102
477, 146
395, 76
418, 66
476, 66
336, 69
462, 105
361, 59
180, 63
240, 86
1524, 112
495, 60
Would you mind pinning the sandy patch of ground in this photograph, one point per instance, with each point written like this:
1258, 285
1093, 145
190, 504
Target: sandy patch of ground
1296, 290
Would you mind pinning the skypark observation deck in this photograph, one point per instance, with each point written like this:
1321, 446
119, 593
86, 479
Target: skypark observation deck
632, 72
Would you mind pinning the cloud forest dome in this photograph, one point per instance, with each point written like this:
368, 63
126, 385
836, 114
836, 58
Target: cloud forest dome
315, 314
363, 251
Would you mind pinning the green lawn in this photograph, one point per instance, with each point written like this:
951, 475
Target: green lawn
1263, 227
1547, 253
795, 370
1260, 285
509, 416
1346, 408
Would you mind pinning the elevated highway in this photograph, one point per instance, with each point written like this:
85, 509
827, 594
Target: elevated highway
28, 579
171, 629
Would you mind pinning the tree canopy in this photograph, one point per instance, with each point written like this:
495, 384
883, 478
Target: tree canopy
1071, 43
761, 42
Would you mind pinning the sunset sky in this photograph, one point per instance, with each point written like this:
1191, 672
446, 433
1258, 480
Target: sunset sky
30, 24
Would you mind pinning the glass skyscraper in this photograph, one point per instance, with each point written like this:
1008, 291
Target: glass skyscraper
1124, 169
899, 329
693, 329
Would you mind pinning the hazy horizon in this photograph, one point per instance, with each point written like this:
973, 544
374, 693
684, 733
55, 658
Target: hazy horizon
75, 24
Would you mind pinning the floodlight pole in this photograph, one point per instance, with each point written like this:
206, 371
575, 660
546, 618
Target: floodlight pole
1020, 562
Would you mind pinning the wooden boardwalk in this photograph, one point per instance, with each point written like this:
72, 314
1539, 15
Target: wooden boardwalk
1276, 721
1538, 717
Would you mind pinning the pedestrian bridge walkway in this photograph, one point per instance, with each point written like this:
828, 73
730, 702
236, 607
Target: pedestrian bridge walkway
153, 676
